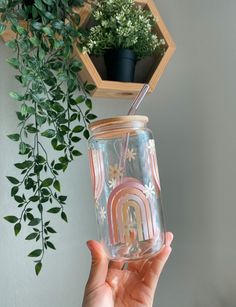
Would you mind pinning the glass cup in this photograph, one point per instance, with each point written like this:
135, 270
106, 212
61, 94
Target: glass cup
126, 187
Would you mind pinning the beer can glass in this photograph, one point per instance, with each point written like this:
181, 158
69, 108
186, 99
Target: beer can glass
126, 187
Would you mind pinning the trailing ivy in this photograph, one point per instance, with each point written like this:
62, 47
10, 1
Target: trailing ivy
50, 111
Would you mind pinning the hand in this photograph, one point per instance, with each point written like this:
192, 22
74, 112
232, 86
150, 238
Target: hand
109, 285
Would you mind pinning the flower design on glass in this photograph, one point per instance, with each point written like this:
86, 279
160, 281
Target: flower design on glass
130, 154
151, 146
96, 204
115, 171
102, 214
149, 190
112, 183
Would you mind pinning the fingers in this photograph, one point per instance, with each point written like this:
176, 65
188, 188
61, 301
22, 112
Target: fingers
116, 265
99, 266
137, 266
154, 266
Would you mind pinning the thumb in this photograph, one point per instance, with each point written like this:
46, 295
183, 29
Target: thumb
99, 266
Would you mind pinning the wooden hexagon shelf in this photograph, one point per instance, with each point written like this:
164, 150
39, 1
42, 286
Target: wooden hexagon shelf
148, 70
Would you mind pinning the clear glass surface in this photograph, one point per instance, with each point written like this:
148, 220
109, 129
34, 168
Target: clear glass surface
127, 194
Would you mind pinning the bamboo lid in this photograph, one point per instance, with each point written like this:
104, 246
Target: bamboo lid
134, 121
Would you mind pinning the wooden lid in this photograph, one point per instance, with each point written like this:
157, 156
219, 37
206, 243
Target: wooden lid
128, 121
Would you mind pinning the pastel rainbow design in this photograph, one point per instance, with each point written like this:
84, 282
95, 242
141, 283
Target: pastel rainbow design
130, 193
97, 171
152, 158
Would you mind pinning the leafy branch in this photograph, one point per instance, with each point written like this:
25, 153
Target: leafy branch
50, 111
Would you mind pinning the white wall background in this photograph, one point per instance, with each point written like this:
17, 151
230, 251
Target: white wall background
193, 114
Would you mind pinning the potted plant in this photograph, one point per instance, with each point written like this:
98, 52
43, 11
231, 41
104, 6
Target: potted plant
124, 33
53, 109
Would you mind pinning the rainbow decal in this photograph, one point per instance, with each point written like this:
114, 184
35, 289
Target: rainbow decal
97, 171
152, 158
129, 195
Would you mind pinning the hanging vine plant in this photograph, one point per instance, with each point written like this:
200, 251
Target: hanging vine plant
50, 111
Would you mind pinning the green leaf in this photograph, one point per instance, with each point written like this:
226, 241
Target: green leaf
24, 109
47, 182
34, 198
14, 137
50, 133
76, 66
24, 165
12, 44
13, 180
58, 166
39, 4
37, 25
58, 24
48, 31
35, 253
54, 210
17, 228
22, 147
18, 199
34, 41
40, 208
48, 14
38, 268
88, 103
91, 116
51, 230
60, 147
11, 219
40, 159
49, 244
16, 96
80, 99
31, 129
64, 216
73, 117
62, 198
14, 62
78, 129
90, 87
75, 139
41, 120
21, 30
20, 116
45, 192
14, 190
31, 110
76, 153
2, 28
86, 134
30, 216
34, 222
57, 185
31, 236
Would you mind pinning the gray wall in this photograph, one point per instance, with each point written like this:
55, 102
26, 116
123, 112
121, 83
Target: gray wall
192, 113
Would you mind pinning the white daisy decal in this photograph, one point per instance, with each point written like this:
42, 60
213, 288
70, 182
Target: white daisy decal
115, 171
112, 183
130, 154
102, 214
96, 204
151, 146
149, 190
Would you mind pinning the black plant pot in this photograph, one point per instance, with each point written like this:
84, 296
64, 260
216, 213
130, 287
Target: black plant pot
28, 2
120, 64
